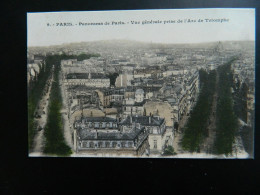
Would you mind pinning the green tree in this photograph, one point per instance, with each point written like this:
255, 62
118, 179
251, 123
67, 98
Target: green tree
55, 143
226, 120
169, 150
112, 77
35, 91
196, 130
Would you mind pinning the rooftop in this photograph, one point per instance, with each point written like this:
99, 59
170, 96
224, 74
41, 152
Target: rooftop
86, 76
143, 120
99, 119
139, 91
88, 135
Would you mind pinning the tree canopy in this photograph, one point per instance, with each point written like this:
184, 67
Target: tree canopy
196, 128
226, 122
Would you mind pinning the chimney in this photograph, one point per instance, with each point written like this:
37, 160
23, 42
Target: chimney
96, 134
150, 118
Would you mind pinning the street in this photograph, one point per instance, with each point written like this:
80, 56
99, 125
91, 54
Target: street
38, 143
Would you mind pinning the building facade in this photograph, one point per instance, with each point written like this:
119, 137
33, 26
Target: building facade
87, 79
101, 136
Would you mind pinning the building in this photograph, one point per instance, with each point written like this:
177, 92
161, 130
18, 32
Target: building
123, 80
164, 110
130, 107
105, 124
112, 95
159, 137
97, 80
139, 95
101, 136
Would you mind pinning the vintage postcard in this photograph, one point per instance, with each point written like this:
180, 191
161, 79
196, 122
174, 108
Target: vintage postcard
173, 83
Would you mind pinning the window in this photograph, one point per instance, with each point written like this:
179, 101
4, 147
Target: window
103, 125
114, 144
100, 144
130, 144
91, 144
96, 125
155, 144
107, 144
123, 144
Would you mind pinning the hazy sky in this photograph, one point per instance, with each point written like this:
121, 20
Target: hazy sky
240, 26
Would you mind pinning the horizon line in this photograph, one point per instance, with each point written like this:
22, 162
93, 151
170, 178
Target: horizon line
145, 42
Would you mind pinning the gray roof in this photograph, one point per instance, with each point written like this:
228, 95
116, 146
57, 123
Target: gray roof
171, 100
143, 120
154, 82
178, 88
86, 76
99, 119
81, 87
88, 135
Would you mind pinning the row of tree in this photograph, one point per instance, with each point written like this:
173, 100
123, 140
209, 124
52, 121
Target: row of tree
54, 131
79, 57
196, 130
55, 142
240, 100
226, 120
34, 95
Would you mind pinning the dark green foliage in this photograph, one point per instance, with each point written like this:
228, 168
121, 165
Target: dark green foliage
34, 95
36, 87
55, 59
226, 122
82, 57
31, 123
243, 98
240, 102
203, 76
55, 143
196, 128
79, 57
169, 150
112, 77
